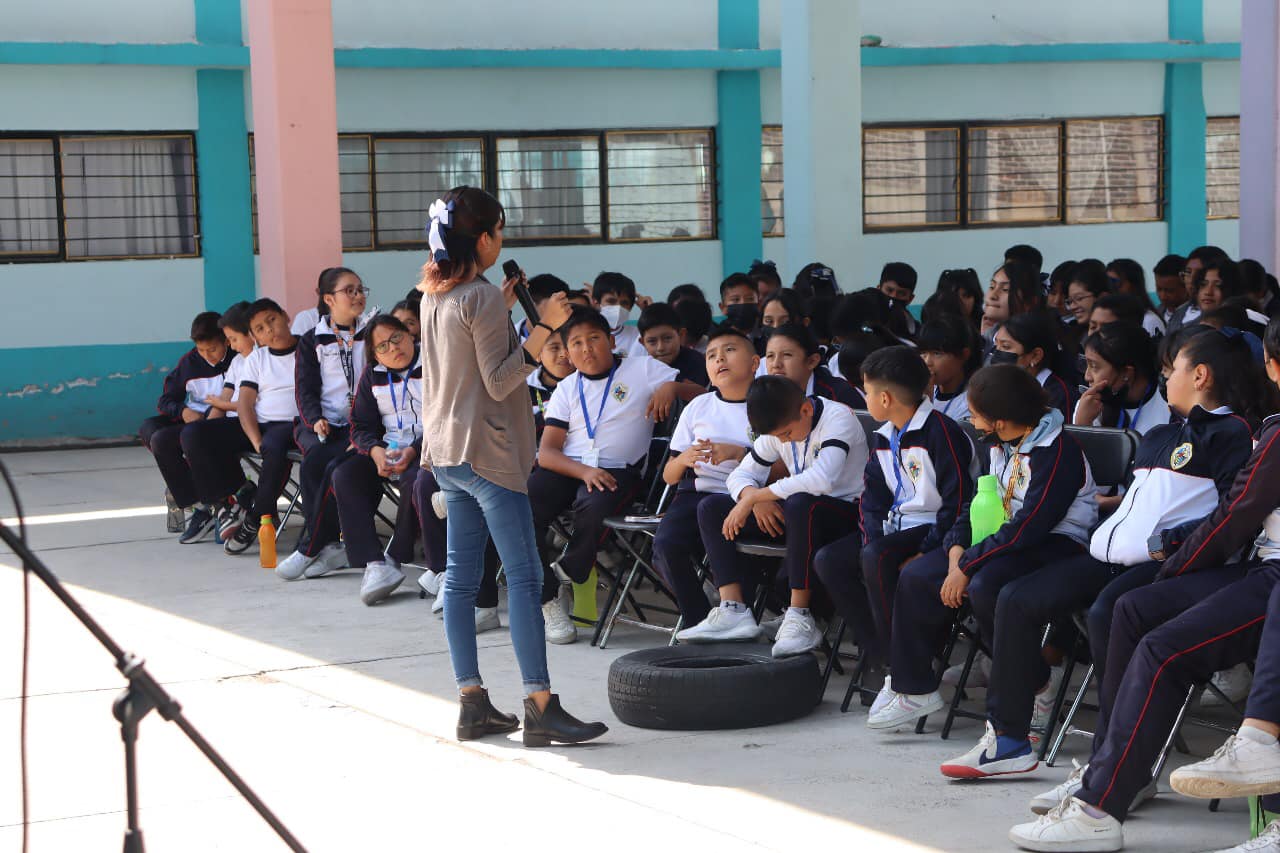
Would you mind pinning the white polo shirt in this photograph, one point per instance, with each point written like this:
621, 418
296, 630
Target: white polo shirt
616, 408
270, 373
711, 417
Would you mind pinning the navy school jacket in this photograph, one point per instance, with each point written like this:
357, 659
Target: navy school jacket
1052, 493
835, 388
190, 381
1062, 396
937, 467
1252, 503
1181, 472
372, 414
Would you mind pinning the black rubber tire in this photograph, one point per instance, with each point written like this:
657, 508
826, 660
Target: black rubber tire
712, 686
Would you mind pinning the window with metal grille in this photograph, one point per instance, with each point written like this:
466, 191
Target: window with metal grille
1222, 167
354, 189
1013, 173
772, 224
28, 198
129, 196
549, 186
660, 184
1114, 168
910, 176
411, 174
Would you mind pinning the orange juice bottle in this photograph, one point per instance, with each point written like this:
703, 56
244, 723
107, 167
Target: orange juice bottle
267, 543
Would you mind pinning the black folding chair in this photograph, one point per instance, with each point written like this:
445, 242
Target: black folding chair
292, 490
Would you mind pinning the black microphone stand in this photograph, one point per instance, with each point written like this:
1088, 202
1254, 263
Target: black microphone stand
143, 695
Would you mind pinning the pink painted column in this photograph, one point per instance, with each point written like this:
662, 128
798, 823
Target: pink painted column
1259, 132
295, 138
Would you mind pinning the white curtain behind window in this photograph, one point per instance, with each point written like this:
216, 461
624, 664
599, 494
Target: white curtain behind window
28, 197
129, 196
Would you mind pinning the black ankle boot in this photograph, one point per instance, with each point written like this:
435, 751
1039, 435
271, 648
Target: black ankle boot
477, 717
556, 724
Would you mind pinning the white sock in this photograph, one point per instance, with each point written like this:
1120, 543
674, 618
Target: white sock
734, 606
1256, 735
800, 611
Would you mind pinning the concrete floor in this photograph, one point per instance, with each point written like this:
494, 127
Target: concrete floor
341, 717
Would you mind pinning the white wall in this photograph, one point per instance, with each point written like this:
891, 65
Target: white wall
109, 97
525, 25
132, 21
1222, 88
1222, 19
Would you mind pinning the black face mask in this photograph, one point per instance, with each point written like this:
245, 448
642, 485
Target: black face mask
999, 356
743, 317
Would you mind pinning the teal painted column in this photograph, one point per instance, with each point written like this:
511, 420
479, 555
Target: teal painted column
1184, 133
738, 129
222, 164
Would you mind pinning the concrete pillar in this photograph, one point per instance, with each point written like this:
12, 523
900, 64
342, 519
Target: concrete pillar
738, 140
1184, 133
295, 137
822, 134
1259, 132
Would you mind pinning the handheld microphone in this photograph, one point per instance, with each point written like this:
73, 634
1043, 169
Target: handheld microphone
511, 269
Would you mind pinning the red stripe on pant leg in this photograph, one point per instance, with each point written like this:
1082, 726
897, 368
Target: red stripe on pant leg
1152, 690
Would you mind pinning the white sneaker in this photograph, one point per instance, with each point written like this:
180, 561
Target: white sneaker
292, 566
380, 580
903, 709
1068, 826
722, 624
439, 505
559, 629
1268, 841
1044, 699
799, 634
331, 558
1241, 767
1052, 798
486, 619
983, 760
1233, 682
432, 583
979, 675
769, 627
437, 606
883, 698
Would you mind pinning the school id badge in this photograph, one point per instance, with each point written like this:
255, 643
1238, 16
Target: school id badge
591, 456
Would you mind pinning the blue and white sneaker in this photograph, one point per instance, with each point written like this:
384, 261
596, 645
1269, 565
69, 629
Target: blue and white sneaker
993, 756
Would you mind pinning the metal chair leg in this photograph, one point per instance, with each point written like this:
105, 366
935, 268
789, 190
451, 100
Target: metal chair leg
1068, 722
1173, 734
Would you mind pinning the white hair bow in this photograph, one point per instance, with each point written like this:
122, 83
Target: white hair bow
441, 213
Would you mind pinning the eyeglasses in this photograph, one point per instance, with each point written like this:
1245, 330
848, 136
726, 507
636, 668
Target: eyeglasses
353, 292
395, 340
1073, 301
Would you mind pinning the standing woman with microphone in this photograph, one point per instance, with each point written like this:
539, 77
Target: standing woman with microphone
478, 440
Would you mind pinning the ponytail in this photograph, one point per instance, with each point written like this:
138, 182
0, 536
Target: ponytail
1238, 379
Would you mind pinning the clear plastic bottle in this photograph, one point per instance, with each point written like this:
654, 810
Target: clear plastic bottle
986, 513
393, 456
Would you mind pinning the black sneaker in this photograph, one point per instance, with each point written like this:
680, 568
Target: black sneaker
230, 517
202, 523
244, 538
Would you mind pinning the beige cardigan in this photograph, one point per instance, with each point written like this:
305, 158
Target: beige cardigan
475, 406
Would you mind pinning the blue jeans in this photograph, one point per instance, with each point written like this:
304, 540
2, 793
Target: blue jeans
479, 509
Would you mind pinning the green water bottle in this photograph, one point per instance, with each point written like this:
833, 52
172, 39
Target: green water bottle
986, 513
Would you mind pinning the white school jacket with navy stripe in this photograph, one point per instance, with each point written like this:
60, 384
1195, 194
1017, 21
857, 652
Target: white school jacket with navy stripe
1180, 473
936, 467
830, 461
1052, 493
375, 418
321, 382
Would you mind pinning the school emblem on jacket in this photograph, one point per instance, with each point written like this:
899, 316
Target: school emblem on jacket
1020, 476
620, 392
1181, 456
914, 470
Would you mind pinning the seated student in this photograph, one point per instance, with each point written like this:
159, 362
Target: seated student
1014, 289
407, 314
824, 450
599, 423
267, 411
739, 302
1191, 274
1049, 507
330, 358
579, 298
1203, 615
382, 415
541, 288
663, 335
1115, 308
1123, 391
553, 367
1171, 290
792, 351
783, 307
918, 476
183, 400
1055, 296
1031, 342
952, 353
614, 296
709, 441
963, 284
764, 274
1219, 281
1180, 473
234, 323
898, 282
695, 316
1128, 279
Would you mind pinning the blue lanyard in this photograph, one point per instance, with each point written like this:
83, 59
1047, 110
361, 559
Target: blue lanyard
391, 387
895, 445
795, 458
604, 398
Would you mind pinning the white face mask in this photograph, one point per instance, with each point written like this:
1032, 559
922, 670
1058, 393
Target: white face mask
615, 316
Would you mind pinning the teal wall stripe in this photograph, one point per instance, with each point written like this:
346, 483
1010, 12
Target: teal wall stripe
233, 56
738, 141
1184, 116
82, 391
